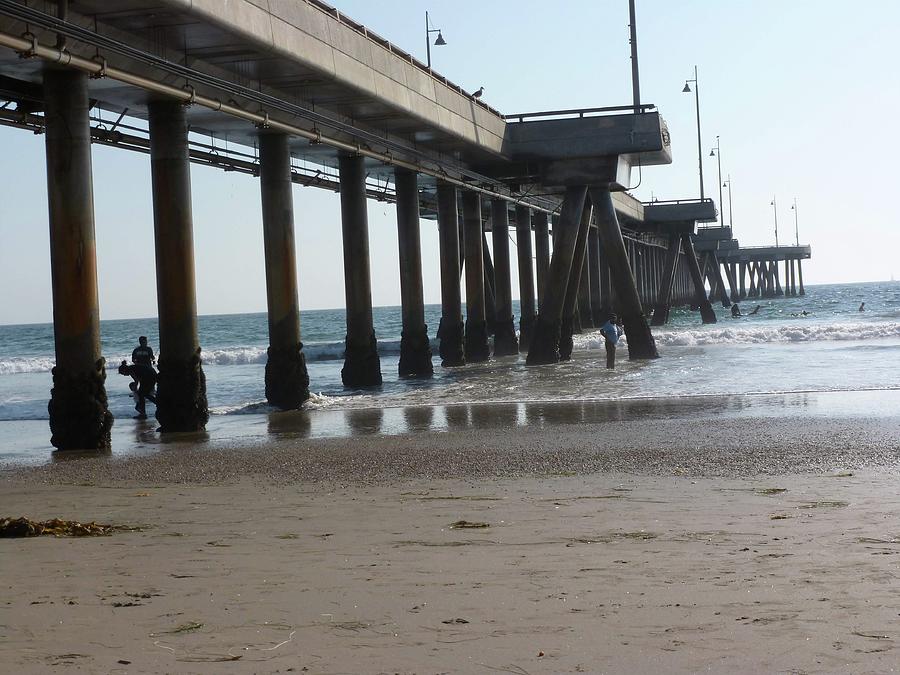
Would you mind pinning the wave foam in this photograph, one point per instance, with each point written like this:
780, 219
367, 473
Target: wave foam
783, 334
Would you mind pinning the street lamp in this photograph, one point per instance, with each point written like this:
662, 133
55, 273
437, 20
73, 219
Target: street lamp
687, 90
717, 153
727, 184
438, 43
796, 226
775, 209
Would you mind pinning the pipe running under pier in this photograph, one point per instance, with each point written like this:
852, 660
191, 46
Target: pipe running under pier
505, 341
287, 380
362, 365
181, 403
415, 349
79, 416
450, 332
527, 309
476, 341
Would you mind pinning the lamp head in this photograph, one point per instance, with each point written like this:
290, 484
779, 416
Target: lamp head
712, 153
440, 40
687, 89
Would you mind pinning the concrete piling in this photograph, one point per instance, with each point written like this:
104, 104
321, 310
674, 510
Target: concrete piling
707, 314
801, 290
505, 341
79, 416
542, 254
593, 262
544, 346
287, 380
362, 365
664, 303
450, 332
476, 341
527, 308
641, 344
415, 349
181, 403
570, 324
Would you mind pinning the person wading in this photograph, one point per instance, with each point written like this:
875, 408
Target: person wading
611, 333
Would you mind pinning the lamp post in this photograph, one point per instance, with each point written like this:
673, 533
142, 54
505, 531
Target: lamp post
796, 226
775, 210
687, 90
439, 42
727, 184
717, 153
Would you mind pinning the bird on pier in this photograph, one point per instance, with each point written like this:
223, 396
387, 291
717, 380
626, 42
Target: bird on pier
478, 93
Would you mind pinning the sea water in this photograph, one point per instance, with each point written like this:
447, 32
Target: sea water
832, 348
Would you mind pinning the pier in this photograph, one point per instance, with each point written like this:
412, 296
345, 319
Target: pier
306, 96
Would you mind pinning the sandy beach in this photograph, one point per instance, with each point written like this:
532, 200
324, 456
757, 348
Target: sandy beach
654, 545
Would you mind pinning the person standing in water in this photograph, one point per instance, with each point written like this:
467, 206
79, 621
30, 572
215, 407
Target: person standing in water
610, 332
862, 307
143, 354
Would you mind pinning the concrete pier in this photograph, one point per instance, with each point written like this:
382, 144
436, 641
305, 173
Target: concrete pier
505, 341
541, 222
593, 262
585, 313
641, 344
720, 291
570, 321
490, 295
527, 306
287, 381
362, 366
664, 294
181, 389
700, 298
415, 349
544, 346
79, 417
476, 342
793, 280
450, 332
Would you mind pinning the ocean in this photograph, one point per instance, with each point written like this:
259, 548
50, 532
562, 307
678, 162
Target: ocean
832, 348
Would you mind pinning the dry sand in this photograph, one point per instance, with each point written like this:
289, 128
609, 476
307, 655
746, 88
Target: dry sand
654, 546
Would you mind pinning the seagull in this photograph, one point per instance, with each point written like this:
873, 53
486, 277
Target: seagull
478, 93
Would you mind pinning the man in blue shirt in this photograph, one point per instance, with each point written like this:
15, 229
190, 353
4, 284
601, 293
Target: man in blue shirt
611, 332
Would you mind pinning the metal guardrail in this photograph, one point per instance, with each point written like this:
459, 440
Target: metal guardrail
394, 49
581, 112
667, 202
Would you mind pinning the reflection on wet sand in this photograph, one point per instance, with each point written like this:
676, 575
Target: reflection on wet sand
507, 415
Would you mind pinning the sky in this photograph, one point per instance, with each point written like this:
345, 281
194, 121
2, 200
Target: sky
802, 94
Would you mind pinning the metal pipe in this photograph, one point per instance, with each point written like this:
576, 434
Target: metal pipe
100, 69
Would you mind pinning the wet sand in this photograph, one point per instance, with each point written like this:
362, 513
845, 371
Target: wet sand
679, 544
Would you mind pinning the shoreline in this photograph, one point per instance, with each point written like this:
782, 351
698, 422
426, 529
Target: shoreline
676, 544
25, 443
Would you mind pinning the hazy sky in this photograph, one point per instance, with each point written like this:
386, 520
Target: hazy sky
803, 95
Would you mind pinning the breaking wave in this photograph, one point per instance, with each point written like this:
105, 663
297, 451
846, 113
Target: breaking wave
760, 334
